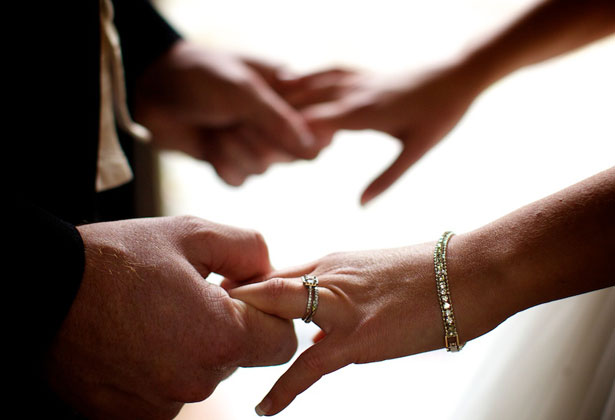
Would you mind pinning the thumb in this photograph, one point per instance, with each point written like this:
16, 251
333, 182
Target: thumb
283, 125
413, 150
335, 115
238, 254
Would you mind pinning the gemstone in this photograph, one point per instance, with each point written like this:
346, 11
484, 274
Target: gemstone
446, 305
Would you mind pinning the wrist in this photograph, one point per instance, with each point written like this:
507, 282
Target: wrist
477, 284
481, 67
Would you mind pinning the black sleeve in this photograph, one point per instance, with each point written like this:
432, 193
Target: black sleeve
54, 97
144, 36
51, 257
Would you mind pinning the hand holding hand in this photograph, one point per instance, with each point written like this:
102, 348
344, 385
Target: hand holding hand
147, 333
417, 110
222, 109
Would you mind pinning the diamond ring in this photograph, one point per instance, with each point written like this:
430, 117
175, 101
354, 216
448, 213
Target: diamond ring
311, 282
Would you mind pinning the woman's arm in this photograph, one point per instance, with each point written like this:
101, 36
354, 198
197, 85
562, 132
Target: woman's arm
549, 29
422, 109
382, 304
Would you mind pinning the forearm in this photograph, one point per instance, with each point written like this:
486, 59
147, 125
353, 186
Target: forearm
560, 246
551, 28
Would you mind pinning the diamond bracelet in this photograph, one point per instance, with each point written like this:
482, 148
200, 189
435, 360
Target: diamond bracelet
451, 338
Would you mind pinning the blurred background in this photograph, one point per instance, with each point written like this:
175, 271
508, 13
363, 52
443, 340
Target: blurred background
530, 135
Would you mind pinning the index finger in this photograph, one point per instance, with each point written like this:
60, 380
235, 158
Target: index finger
411, 152
322, 358
283, 126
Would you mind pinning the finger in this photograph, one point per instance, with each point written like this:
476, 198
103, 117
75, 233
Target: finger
316, 88
410, 154
242, 152
310, 96
228, 284
282, 125
264, 154
296, 271
266, 340
235, 253
284, 298
235, 159
312, 79
213, 146
335, 115
318, 360
320, 335
272, 73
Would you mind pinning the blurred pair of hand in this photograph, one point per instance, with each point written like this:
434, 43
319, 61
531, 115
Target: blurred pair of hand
243, 115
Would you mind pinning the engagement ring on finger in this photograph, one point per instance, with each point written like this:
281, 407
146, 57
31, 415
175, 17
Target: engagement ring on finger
311, 282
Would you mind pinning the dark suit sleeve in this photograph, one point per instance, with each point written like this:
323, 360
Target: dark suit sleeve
56, 111
144, 36
50, 253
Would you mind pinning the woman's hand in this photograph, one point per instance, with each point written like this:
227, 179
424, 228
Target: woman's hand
382, 304
374, 305
419, 110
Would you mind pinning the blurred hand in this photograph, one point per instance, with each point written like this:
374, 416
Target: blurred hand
147, 333
222, 109
417, 110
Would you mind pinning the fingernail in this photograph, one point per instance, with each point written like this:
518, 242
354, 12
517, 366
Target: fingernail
263, 407
366, 199
308, 140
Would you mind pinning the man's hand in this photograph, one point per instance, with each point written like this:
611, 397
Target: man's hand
147, 333
222, 109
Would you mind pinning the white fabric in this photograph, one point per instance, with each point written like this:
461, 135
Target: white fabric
113, 168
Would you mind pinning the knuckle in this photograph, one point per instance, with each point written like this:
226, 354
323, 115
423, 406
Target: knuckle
335, 256
314, 364
189, 220
187, 226
276, 288
258, 243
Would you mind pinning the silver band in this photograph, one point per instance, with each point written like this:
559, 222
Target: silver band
311, 282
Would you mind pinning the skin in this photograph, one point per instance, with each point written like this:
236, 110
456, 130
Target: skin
420, 109
383, 304
222, 109
147, 332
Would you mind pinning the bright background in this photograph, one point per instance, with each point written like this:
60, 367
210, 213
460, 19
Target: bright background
529, 135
